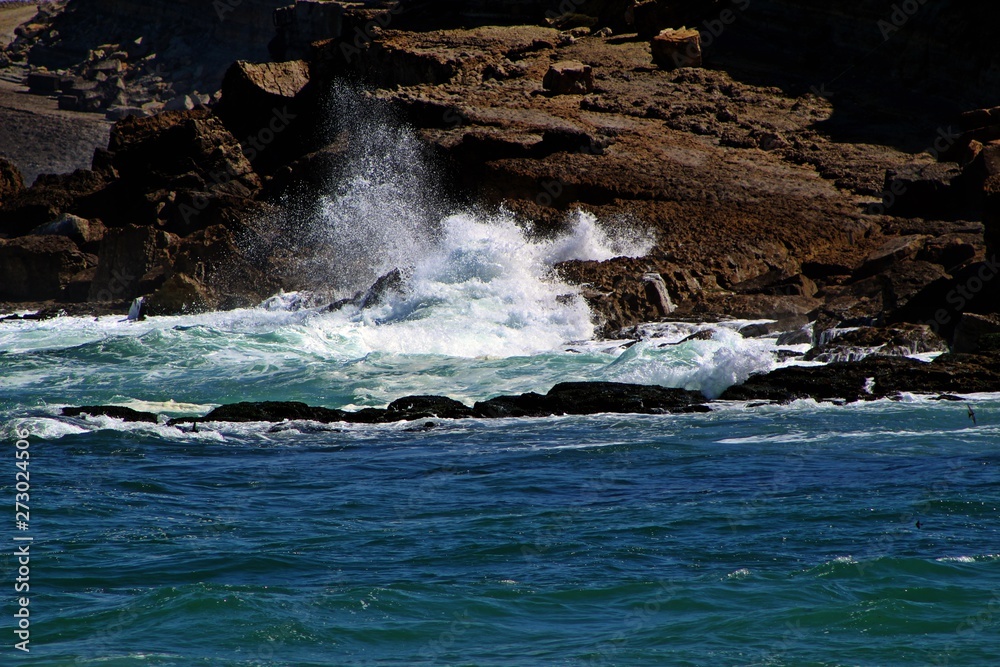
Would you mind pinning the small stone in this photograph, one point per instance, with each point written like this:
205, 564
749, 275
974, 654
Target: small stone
677, 48
569, 77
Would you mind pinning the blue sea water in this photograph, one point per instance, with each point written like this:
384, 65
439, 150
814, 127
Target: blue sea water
751, 535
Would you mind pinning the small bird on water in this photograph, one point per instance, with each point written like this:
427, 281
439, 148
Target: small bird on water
972, 414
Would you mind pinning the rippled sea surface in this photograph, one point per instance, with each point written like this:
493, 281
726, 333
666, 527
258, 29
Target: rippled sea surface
770, 535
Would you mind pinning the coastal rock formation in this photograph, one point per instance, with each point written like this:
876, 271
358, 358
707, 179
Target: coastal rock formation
872, 378
763, 197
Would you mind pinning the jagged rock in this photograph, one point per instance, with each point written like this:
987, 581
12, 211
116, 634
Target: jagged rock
871, 378
894, 250
267, 411
37, 268
898, 340
677, 48
569, 77
788, 328
908, 280
971, 330
11, 182
180, 294
776, 283
126, 255
87, 234
923, 190
390, 283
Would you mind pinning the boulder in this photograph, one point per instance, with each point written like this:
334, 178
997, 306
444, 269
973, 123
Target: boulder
180, 294
777, 283
871, 378
11, 181
38, 268
922, 190
972, 328
900, 340
677, 48
87, 234
896, 249
126, 255
569, 77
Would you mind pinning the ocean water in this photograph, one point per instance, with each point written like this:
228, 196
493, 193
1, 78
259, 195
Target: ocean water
751, 535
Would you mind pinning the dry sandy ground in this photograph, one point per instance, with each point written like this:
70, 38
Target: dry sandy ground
34, 134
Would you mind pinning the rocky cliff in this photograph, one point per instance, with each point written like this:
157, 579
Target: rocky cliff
808, 170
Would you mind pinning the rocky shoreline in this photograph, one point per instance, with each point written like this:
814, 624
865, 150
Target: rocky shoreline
873, 378
771, 194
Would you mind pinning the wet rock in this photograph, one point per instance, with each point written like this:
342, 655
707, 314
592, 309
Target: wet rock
181, 294
114, 411
266, 411
410, 408
569, 77
873, 377
898, 340
390, 283
677, 48
38, 268
578, 398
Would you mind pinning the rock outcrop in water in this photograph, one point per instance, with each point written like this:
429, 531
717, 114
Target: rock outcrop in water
770, 193
567, 398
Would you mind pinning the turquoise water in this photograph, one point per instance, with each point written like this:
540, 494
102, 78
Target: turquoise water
748, 536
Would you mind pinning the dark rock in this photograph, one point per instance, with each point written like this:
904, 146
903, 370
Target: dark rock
871, 378
923, 190
114, 411
87, 234
971, 329
899, 340
126, 255
11, 181
894, 250
421, 407
38, 268
776, 283
266, 411
390, 283
578, 398
569, 77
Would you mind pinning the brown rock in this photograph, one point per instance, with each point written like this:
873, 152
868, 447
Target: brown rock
569, 77
10, 179
894, 250
677, 48
87, 234
126, 255
37, 268
178, 295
